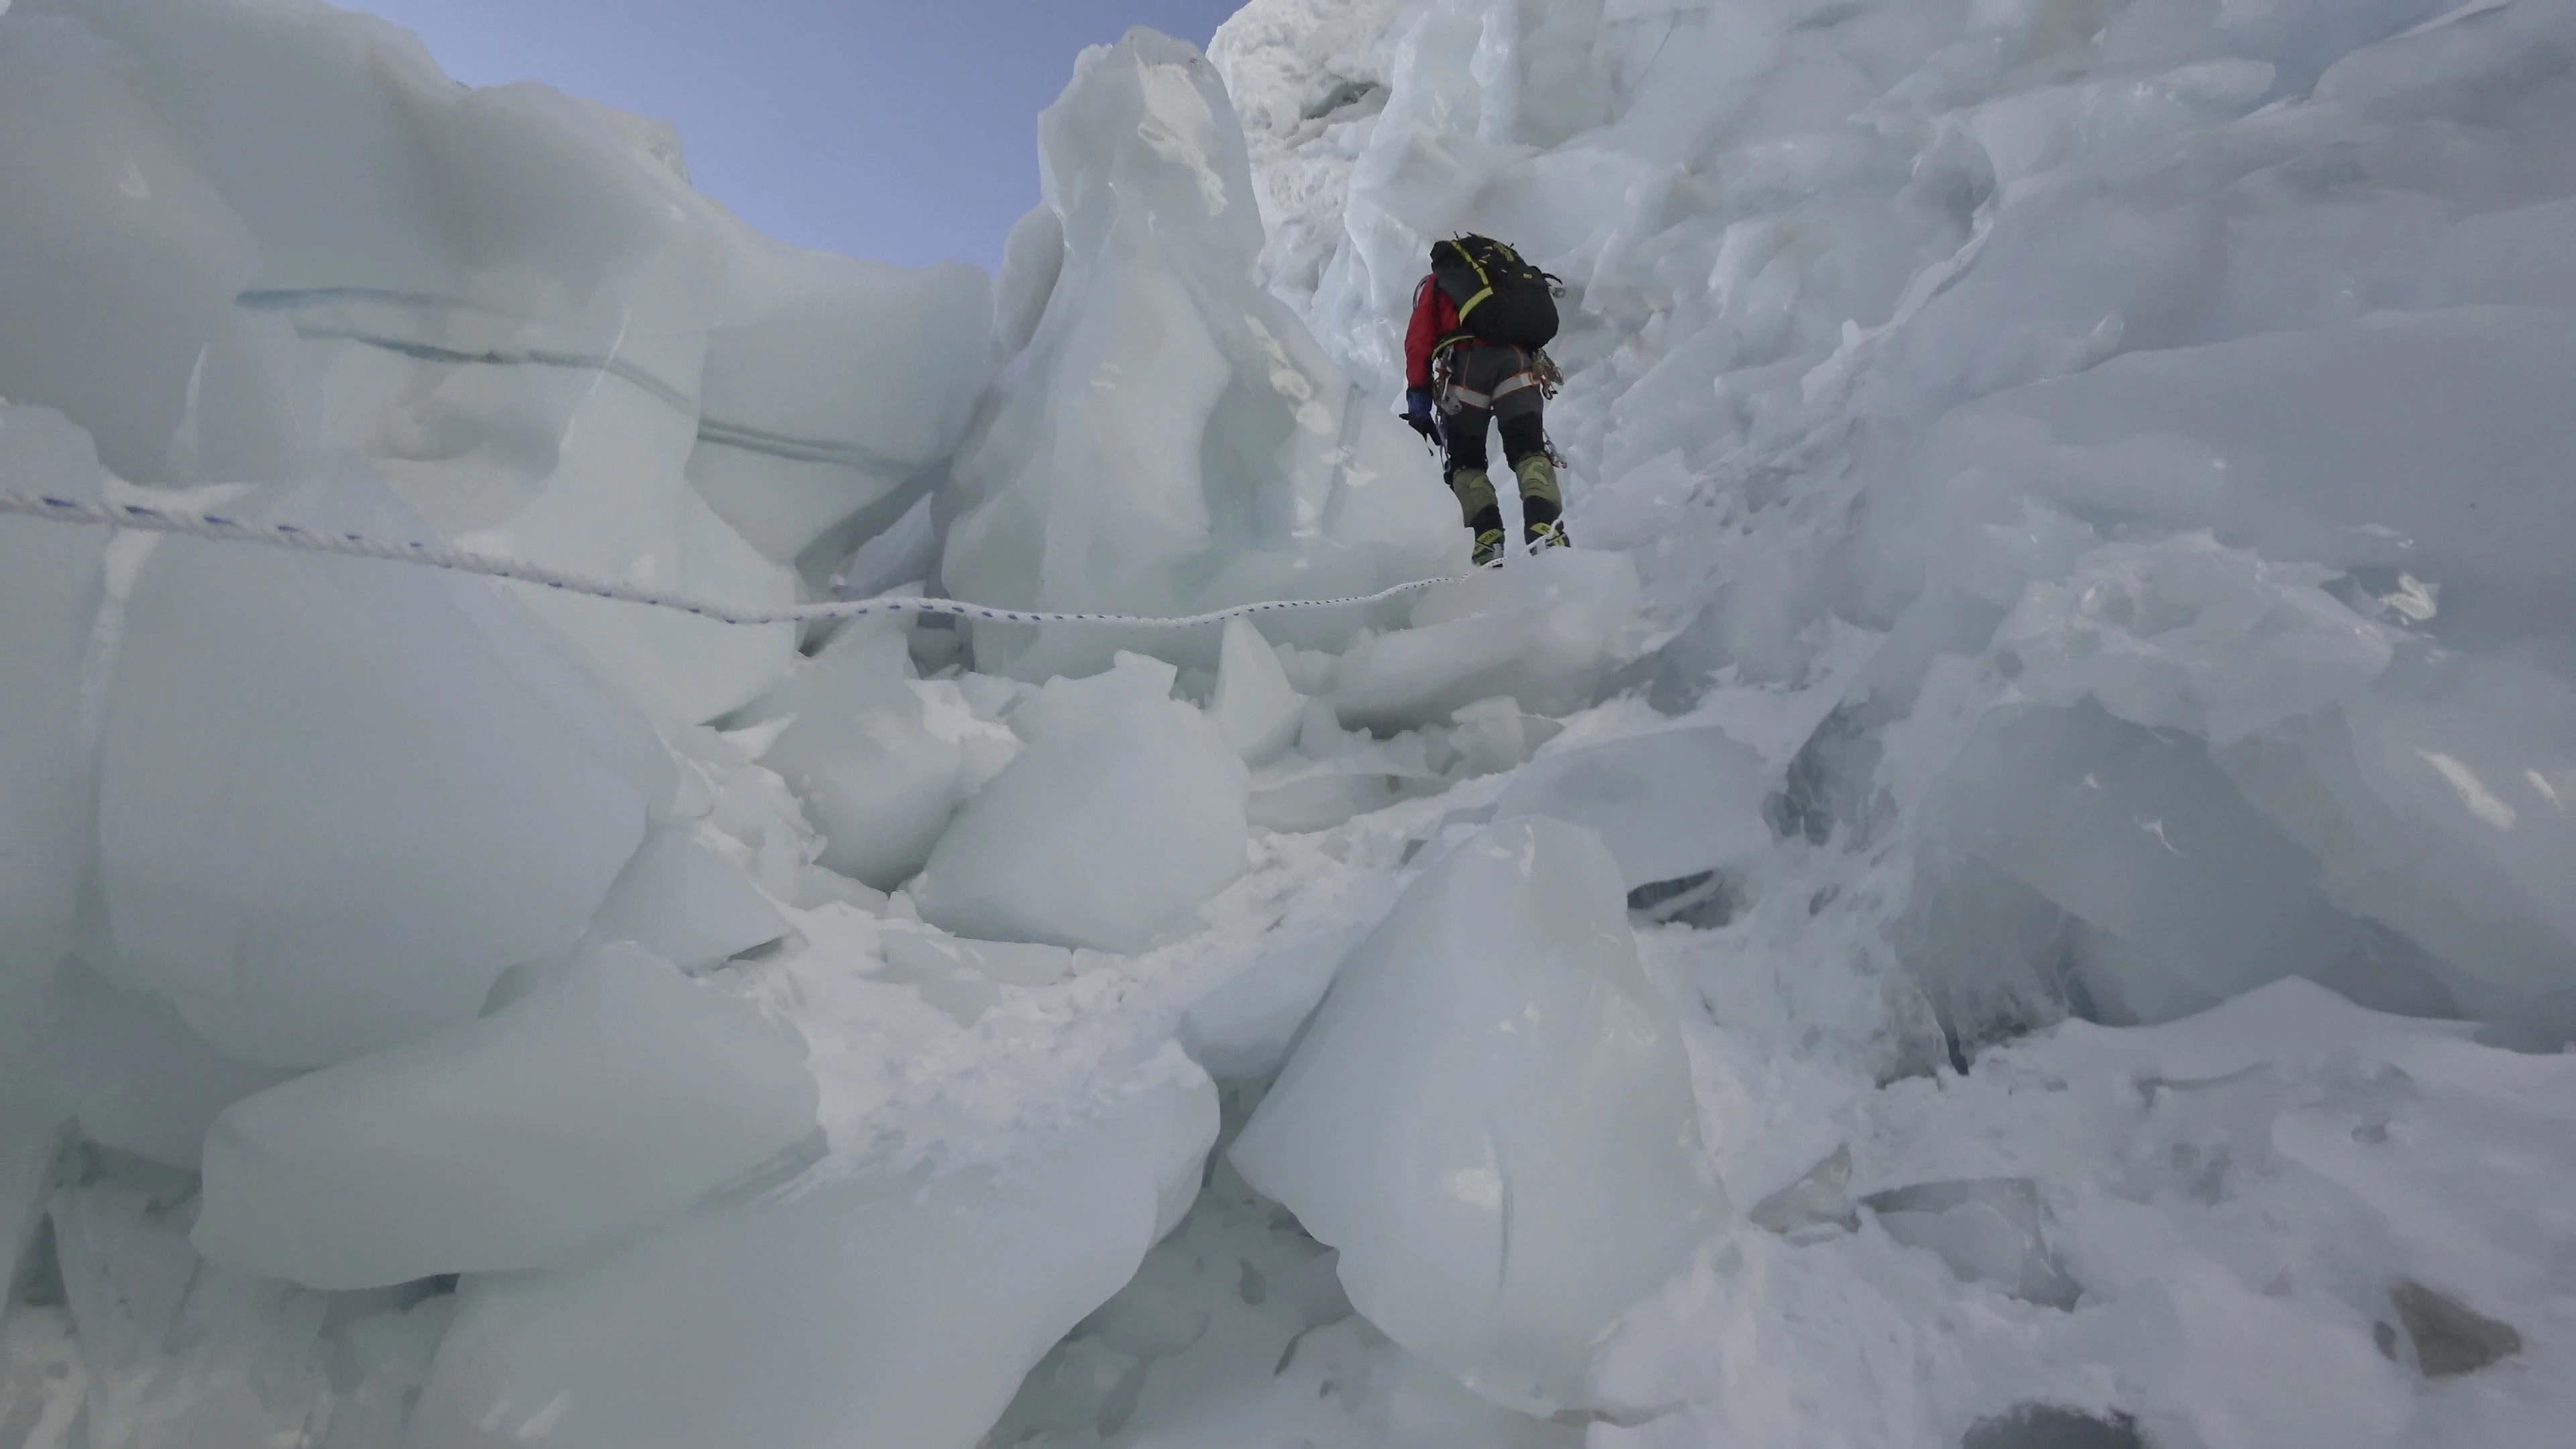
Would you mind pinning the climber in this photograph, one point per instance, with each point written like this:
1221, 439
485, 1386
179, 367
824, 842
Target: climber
1472, 355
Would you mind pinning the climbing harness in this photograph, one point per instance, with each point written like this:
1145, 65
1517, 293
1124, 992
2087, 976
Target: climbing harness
1542, 373
1461, 396
141, 517
1551, 378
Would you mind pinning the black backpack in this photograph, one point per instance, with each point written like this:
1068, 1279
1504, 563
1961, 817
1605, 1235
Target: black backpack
1500, 298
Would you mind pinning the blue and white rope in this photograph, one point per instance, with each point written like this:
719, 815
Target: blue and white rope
443, 556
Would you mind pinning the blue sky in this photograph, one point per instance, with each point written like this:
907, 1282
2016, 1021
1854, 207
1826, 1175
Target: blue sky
905, 132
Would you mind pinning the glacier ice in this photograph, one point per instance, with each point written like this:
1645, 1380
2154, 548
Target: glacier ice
129, 1071
1541, 634
1818, 1204
2411, 765
2068, 513
1491, 1061
2186, 634
832, 389
1169, 439
508, 301
29, 1143
1492, 735
132, 1339
1241, 1031
1255, 705
733, 809
1132, 683
683, 902
1987, 1229
180, 1353
380, 1360
966, 978
494, 295
1668, 805
908, 1301
1016, 963
2080, 350
2279, 458
1334, 773
335, 801
1308, 795
609, 1097
123, 259
879, 774
55, 589
511, 311
2027, 423
1234, 1330
2143, 837
1125, 812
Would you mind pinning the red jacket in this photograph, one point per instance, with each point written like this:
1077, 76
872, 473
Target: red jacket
1435, 320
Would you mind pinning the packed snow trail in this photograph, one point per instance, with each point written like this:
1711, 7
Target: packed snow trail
143, 518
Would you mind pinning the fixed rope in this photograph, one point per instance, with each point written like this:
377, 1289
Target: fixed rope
443, 556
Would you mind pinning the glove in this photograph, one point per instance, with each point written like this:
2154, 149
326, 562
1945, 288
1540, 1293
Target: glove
1418, 415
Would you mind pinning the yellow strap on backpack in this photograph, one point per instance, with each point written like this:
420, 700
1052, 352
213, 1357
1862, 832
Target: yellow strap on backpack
1469, 258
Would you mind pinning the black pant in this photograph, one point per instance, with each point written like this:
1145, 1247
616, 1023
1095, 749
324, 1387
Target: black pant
1464, 431
1486, 368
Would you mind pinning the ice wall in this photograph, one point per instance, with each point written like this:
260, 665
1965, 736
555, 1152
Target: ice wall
1125, 812
608, 1098
249, 236
263, 256
2127, 383
1167, 438
907, 1301
57, 589
314, 806
2081, 460
263, 813
1491, 1119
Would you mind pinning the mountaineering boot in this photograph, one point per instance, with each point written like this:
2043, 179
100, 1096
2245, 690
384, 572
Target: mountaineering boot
1483, 511
1486, 525
1540, 505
